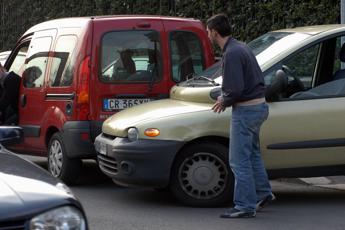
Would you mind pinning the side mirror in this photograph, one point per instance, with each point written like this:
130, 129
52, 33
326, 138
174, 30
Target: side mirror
10, 135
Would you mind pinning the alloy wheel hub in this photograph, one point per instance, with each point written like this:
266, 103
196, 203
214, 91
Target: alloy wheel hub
203, 176
55, 159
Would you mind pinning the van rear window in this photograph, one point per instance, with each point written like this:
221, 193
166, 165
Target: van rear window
130, 57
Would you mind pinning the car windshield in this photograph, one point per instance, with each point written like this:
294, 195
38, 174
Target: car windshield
206, 77
271, 44
211, 72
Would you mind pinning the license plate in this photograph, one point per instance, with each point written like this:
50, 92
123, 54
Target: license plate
122, 103
102, 148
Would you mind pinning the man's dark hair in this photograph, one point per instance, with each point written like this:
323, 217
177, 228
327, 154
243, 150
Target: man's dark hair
219, 23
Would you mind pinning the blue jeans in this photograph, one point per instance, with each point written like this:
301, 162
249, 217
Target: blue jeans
251, 181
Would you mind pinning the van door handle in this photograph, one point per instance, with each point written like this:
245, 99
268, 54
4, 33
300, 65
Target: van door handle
23, 100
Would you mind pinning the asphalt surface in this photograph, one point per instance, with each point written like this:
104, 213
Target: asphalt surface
299, 205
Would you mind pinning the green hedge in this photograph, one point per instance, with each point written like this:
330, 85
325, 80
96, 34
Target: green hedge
250, 18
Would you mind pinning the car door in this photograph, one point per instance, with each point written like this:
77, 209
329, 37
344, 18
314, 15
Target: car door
306, 126
33, 90
129, 57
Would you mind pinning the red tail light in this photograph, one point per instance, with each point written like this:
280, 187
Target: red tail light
83, 100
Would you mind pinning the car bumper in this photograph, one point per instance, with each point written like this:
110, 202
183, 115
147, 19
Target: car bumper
77, 138
145, 163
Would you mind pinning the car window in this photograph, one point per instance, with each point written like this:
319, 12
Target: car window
63, 49
339, 58
33, 75
303, 65
186, 55
296, 74
19, 60
333, 85
315, 72
131, 56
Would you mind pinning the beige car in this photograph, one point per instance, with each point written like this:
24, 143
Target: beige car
180, 143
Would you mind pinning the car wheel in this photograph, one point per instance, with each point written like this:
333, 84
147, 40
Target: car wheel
59, 165
201, 175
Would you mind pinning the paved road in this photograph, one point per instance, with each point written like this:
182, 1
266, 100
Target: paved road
298, 206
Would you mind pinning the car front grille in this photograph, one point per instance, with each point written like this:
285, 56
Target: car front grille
108, 164
12, 225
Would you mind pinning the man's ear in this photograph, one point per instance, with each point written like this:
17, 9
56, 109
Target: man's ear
216, 34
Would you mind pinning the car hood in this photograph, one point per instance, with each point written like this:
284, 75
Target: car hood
118, 124
26, 189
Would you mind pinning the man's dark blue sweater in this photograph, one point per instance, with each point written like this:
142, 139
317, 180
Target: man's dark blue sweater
242, 76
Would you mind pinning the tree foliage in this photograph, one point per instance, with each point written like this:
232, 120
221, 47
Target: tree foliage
250, 18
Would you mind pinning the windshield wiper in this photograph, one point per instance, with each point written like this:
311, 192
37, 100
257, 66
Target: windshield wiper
200, 77
206, 79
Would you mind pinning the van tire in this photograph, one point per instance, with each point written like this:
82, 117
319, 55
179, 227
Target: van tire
59, 165
201, 175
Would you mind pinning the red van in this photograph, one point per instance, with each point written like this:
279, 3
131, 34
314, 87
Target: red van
79, 71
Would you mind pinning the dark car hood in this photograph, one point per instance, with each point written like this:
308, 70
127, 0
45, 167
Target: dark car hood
25, 188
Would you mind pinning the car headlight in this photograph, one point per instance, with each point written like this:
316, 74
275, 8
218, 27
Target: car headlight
65, 218
132, 134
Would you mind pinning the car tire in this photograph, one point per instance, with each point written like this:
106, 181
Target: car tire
201, 175
59, 165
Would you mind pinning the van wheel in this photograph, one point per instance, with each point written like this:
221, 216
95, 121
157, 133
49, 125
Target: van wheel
59, 165
201, 175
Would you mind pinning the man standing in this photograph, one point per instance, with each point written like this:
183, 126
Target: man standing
243, 88
9, 93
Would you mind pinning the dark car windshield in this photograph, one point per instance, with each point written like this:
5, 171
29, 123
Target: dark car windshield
263, 42
211, 72
272, 44
264, 48
206, 77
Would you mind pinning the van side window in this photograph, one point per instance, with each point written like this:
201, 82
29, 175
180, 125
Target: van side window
18, 62
131, 56
186, 55
36, 63
63, 50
